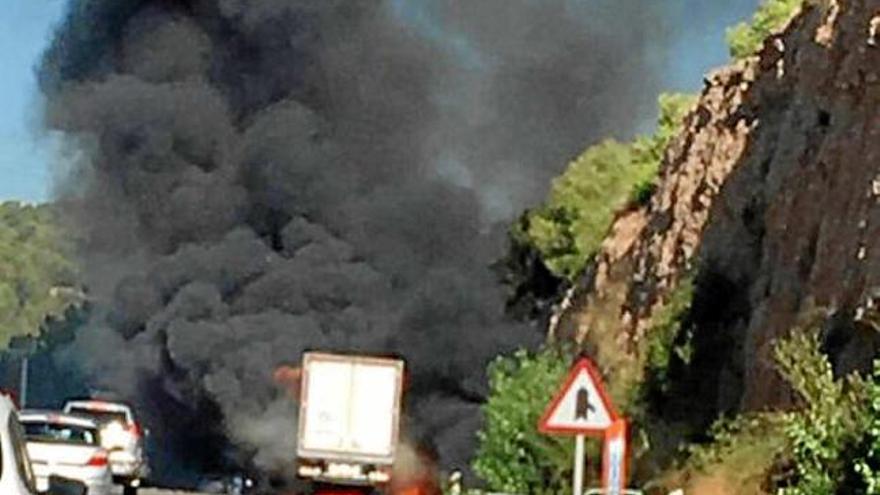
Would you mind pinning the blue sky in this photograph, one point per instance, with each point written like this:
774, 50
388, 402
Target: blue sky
26, 25
701, 44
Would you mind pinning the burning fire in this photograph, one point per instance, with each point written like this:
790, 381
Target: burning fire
415, 490
415, 472
289, 377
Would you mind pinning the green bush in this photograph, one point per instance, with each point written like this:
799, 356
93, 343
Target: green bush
829, 444
831, 421
746, 38
663, 340
834, 440
513, 457
867, 464
812, 449
568, 229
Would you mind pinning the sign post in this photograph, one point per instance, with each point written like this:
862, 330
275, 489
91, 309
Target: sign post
614, 459
580, 408
23, 387
579, 460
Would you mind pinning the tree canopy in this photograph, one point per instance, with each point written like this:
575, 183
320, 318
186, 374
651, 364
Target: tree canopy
569, 227
37, 276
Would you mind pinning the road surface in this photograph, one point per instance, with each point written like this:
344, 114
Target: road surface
157, 491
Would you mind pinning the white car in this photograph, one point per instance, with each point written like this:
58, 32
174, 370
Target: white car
16, 474
120, 435
68, 446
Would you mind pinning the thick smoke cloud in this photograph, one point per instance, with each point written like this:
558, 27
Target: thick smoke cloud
259, 178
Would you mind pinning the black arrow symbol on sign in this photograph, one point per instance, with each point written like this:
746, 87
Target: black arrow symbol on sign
582, 404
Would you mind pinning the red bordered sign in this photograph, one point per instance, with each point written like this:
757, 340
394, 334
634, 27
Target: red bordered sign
581, 407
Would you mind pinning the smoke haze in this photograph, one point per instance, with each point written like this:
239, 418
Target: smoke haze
258, 178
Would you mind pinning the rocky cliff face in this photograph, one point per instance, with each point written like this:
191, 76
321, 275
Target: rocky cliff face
770, 199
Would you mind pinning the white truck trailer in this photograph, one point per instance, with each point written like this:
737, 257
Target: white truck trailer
349, 419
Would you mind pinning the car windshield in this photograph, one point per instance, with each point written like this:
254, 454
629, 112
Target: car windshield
60, 433
102, 417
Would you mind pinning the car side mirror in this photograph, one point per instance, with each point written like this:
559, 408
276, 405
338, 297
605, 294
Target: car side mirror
64, 486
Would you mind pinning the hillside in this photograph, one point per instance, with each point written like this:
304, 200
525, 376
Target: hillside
769, 196
767, 207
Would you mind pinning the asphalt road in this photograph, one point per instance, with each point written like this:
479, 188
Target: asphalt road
156, 491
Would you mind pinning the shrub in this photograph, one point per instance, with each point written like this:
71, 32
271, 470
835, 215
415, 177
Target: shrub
513, 457
816, 442
831, 421
746, 38
867, 465
663, 340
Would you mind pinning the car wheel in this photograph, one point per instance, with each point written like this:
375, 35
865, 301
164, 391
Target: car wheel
129, 490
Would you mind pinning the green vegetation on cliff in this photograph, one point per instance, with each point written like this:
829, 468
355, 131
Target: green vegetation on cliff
37, 277
746, 38
568, 229
512, 456
832, 417
828, 444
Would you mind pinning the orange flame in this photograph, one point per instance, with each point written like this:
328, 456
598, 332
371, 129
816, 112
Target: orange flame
419, 487
290, 378
415, 473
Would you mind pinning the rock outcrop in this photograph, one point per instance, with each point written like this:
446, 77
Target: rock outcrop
770, 199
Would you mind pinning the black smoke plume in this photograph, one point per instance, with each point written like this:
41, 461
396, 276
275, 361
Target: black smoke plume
253, 178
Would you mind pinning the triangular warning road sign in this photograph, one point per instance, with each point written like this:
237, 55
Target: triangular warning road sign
581, 406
